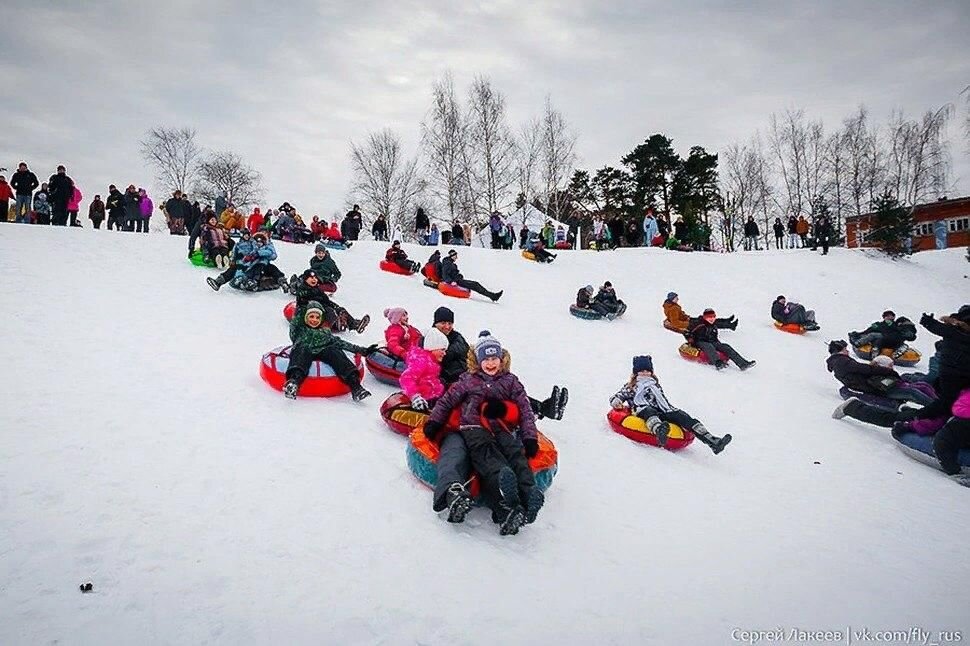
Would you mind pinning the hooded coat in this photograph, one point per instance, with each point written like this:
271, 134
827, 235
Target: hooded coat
856, 374
316, 340
401, 338
422, 375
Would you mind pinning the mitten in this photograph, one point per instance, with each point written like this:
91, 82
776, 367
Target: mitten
371, 349
419, 403
431, 429
926, 319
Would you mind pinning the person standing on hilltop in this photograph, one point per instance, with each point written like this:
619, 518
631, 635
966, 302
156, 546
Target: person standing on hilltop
60, 189
23, 182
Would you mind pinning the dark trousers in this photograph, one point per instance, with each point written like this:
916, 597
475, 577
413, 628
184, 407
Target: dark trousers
407, 265
97, 222
488, 453
116, 221
678, 417
870, 414
475, 286
453, 466
496, 243
301, 358
779, 242
949, 440
59, 215
825, 244
176, 226
542, 255
711, 350
4, 210
948, 390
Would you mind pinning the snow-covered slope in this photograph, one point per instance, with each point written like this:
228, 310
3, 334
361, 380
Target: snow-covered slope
140, 450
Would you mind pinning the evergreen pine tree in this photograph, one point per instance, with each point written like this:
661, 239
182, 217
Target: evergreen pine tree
892, 225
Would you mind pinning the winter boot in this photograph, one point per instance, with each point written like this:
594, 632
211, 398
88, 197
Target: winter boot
215, 283
496, 295
846, 408
900, 351
359, 393
294, 283
533, 503
284, 285
509, 515
660, 429
459, 503
733, 325
747, 364
611, 315
560, 401
720, 365
362, 324
716, 444
290, 389
961, 479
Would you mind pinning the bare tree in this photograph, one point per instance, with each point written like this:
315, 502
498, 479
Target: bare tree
527, 160
858, 144
174, 155
557, 155
739, 180
966, 118
385, 182
225, 173
444, 139
917, 156
491, 146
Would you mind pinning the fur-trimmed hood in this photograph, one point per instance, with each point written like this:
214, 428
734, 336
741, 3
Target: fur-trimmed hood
473, 366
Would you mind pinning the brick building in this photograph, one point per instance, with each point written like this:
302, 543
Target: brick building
951, 215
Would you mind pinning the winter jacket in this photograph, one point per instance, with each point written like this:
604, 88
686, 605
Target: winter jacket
422, 375
379, 228
96, 210
472, 391
454, 365
680, 230
645, 393
792, 225
304, 294
894, 333
778, 228
675, 316
6, 193
702, 332
146, 206
954, 348
214, 237
801, 228
400, 339
317, 340
650, 228
132, 208
782, 313
60, 188
607, 297
395, 255
265, 253
449, 271
318, 228
41, 205
116, 204
244, 249
961, 407
255, 221
548, 235
750, 229
24, 182
856, 374
495, 223
333, 233
582, 298
220, 205
349, 228
421, 221
326, 269
434, 236
176, 210
74, 204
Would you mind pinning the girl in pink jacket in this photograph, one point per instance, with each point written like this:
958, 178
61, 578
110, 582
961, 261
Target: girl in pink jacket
421, 380
400, 336
73, 206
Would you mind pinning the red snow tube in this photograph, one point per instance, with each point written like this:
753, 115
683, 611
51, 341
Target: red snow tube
428, 271
385, 368
453, 290
394, 268
328, 288
289, 310
320, 382
636, 429
397, 413
691, 353
791, 328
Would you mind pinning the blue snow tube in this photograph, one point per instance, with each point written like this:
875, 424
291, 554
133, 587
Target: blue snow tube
585, 314
878, 401
920, 448
332, 244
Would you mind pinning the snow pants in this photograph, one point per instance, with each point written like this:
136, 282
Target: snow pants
918, 393
711, 350
301, 358
879, 341
453, 465
542, 255
678, 417
800, 315
948, 441
474, 286
407, 265
870, 414
489, 452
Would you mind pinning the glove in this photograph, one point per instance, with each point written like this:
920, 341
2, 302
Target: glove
431, 429
906, 414
371, 349
926, 319
249, 258
531, 446
419, 403
494, 409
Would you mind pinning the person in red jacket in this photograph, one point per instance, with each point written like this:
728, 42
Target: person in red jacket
333, 233
399, 335
397, 255
255, 221
6, 194
318, 228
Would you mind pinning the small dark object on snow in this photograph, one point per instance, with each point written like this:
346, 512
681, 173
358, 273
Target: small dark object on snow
87, 587
816, 462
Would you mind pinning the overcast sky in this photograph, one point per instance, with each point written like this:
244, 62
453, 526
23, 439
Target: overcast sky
289, 84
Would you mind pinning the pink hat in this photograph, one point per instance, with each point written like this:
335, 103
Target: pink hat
395, 314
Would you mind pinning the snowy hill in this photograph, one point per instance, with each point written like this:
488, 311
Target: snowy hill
140, 450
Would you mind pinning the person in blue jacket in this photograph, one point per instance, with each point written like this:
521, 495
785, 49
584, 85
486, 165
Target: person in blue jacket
650, 228
254, 259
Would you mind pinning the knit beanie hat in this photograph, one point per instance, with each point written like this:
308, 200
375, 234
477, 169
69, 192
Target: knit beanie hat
883, 360
435, 339
838, 346
709, 312
395, 314
452, 254
444, 315
671, 296
313, 306
588, 289
963, 314
320, 247
643, 362
307, 273
889, 313
487, 346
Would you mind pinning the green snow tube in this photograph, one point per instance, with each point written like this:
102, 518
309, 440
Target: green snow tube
198, 260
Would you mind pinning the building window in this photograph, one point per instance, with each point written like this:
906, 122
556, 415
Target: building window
923, 229
959, 224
